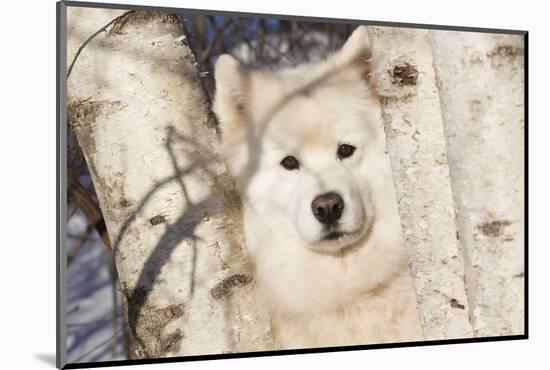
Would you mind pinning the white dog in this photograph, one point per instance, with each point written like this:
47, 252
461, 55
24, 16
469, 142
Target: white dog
307, 148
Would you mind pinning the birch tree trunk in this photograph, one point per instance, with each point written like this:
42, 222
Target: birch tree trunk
453, 107
481, 84
404, 73
136, 104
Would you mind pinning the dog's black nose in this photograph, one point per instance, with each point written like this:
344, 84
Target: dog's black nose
328, 208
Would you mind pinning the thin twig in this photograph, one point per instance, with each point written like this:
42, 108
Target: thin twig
218, 35
80, 242
91, 38
88, 206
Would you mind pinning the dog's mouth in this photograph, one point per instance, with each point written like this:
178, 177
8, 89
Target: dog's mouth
334, 235
335, 238
341, 236
336, 241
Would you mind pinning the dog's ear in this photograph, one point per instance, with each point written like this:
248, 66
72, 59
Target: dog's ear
231, 89
230, 106
357, 51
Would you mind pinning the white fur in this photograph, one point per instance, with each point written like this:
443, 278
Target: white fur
354, 290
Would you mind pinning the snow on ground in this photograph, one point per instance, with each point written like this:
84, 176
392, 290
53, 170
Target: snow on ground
92, 334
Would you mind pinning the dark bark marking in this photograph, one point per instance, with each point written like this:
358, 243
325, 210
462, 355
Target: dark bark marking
224, 287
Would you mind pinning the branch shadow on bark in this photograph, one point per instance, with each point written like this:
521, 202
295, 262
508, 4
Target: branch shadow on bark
182, 229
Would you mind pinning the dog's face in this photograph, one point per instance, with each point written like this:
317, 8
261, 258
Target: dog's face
304, 145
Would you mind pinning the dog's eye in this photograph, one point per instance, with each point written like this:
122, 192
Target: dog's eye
345, 151
290, 163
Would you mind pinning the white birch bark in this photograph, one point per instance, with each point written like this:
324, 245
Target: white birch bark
404, 74
481, 79
141, 117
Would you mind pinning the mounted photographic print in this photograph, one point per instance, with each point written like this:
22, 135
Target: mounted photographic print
237, 184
